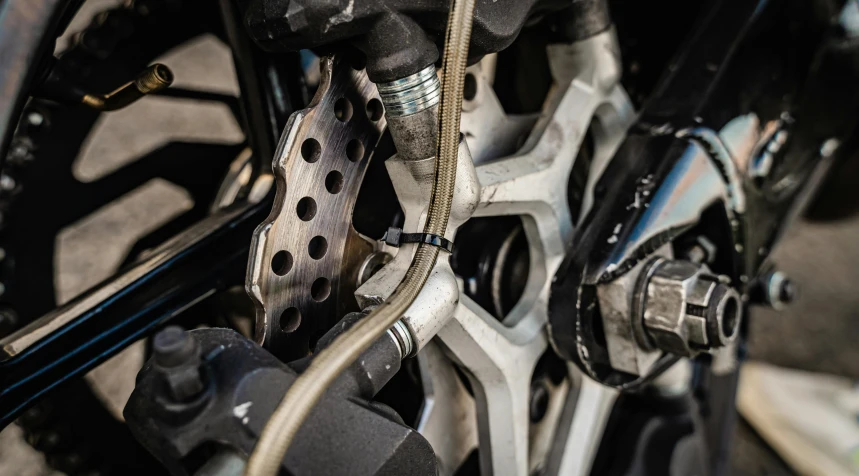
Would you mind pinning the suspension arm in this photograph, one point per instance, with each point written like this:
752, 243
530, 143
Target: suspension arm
78, 336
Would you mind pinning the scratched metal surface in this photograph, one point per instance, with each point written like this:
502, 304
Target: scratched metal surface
295, 270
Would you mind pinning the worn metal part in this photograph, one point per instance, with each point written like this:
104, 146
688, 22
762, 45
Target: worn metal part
306, 256
412, 94
705, 173
500, 361
620, 302
687, 310
548, 400
177, 359
491, 133
655, 189
396, 35
448, 418
499, 357
528, 182
433, 307
580, 431
244, 386
411, 109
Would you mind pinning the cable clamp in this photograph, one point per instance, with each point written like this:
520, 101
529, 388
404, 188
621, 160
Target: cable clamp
395, 237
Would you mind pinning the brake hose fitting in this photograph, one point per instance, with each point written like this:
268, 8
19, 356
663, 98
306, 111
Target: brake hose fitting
411, 109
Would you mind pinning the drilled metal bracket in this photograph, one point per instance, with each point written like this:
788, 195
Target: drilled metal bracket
298, 269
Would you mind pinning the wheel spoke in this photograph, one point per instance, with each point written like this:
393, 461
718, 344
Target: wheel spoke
448, 419
228, 100
192, 166
500, 361
588, 414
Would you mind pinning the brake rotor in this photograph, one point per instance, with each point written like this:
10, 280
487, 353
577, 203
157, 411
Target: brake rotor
305, 258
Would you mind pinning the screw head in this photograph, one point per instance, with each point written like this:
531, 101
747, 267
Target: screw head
173, 347
35, 118
780, 290
177, 357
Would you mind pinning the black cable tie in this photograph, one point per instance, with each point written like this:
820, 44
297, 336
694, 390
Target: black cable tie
396, 237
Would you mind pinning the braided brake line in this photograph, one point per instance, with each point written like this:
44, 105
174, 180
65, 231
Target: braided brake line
309, 387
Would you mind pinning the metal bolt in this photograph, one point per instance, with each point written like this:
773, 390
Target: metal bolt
687, 309
399, 332
703, 251
35, 118
177, 355
7, 183
780, 290
829, 147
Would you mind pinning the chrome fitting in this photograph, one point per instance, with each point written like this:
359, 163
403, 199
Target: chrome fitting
411, 94
780, 291
687, 310
399, 332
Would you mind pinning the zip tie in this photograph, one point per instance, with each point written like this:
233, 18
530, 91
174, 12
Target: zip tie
395, 237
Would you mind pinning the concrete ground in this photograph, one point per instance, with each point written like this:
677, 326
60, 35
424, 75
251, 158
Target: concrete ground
819, 332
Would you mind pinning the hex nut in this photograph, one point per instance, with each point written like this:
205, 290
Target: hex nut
177, 356
687, 310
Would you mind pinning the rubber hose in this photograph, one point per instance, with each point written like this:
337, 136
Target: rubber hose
309, 387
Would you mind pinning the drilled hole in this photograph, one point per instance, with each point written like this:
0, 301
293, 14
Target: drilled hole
334, 182
320, 289
281, 263
311, 150
469, 90
343, 109
306, 209
355, 150
318, 247
290, 319
358, 61
375, 110
730, 316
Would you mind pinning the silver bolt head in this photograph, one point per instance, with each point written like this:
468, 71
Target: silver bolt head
688, 310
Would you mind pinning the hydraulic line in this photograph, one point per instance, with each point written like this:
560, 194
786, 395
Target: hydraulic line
307, 389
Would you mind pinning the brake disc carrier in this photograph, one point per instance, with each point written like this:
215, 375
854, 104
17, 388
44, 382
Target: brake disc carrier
305, 256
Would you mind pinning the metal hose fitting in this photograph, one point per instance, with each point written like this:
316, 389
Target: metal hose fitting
412, 94
399, 332
152, 79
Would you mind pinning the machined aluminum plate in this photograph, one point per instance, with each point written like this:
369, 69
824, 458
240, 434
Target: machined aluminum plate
304, 254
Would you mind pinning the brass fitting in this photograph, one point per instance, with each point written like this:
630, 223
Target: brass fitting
153, 79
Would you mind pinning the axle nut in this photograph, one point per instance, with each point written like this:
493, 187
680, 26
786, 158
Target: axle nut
687, 310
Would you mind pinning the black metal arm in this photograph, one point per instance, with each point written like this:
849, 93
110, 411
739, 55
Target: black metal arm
75, 338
